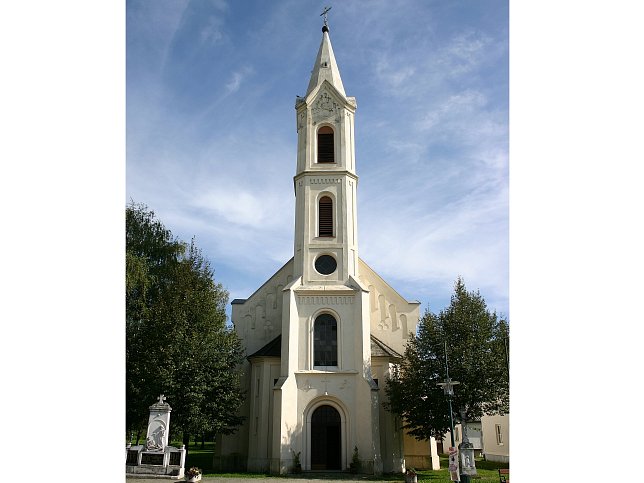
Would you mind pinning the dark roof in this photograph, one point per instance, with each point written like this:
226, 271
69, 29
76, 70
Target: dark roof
272, 349
238, 301
380, 349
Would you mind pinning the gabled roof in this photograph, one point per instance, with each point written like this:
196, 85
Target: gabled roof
272, 349
325, 67
380, 349
283, 267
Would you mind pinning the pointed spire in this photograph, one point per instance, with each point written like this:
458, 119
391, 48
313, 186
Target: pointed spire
325, 67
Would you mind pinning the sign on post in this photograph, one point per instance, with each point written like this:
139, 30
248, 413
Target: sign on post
453, 464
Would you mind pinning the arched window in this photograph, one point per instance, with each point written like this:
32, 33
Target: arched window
325, 216
325, 341
325, 145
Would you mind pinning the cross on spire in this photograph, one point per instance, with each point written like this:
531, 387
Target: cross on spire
324, 12
162, 398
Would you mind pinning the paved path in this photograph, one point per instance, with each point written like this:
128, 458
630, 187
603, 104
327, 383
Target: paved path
327, 478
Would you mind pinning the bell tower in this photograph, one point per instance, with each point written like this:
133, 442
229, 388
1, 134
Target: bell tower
326, 239
325, 327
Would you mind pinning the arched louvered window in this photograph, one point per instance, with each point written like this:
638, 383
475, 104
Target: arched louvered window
325, 145
325, 216
325, 341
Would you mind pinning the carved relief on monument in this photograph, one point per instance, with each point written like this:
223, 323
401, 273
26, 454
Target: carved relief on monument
157, 433
156, 436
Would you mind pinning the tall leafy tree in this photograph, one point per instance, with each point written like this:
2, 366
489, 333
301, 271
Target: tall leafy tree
151, 253
177, 341
477, 342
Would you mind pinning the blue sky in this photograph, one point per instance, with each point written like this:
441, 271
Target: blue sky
211, 140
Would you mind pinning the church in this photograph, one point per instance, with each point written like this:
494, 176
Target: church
323, 333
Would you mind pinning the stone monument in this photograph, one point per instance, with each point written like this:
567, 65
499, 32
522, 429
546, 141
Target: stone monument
155, 457
466, 450
433, 451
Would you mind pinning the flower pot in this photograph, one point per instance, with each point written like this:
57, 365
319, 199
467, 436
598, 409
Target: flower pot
411, 479
193, 479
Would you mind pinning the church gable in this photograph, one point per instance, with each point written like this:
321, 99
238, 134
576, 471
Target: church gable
258, 319
325, 104
392, 317
325, 95
325, 108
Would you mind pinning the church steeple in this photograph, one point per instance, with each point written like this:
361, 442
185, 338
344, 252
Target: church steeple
326, 245
325, 67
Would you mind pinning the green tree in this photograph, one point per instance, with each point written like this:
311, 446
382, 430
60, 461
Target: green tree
151, 253
177, 340
477, 342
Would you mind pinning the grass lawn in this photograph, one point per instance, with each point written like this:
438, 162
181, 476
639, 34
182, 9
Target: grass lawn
487, 472
202, 458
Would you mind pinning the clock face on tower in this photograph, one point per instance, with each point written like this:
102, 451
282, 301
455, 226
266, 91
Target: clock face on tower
325, 264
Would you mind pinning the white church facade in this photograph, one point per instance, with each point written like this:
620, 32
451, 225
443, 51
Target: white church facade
323, 333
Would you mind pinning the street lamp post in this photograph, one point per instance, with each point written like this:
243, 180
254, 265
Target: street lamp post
467, 465
448, 390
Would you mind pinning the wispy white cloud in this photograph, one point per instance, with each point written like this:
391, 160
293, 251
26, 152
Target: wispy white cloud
467, 237
211, 32
393, 74
235, 205
464, 53
237, 78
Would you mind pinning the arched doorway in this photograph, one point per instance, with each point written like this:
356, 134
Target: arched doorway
326, 445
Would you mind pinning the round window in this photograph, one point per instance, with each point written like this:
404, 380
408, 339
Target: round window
326, 264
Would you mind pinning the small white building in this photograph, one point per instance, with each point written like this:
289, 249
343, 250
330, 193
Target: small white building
495, 432
323, 332
489, 437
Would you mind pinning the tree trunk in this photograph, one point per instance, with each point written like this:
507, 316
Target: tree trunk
186, 439
203, 440
138, 436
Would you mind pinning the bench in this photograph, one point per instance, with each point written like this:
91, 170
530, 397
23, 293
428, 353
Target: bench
504, 475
